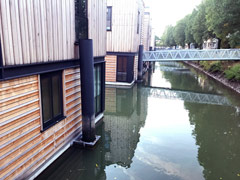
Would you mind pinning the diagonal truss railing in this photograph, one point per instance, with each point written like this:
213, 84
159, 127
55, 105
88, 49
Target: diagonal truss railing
173, 69
192, 55
186, 96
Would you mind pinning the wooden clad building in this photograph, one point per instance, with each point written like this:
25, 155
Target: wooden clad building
147, 32
124, 35
40, 89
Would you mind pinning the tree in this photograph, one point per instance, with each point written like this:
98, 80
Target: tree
189, 28
168, 38
179, 32
223, 19
199, 29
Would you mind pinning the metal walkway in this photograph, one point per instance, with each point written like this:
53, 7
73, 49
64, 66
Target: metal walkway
192, 55
187, 96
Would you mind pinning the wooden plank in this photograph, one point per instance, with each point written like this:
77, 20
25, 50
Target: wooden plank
13, 82
64, 29
1, 38
31, 30
18, 111
20, 141
18, 90
50, 35
72, 11
38, 30
55, 29
18, 101
18, 122
60, 29
17, 47
7, 33
24, 32
4, 139
44, 30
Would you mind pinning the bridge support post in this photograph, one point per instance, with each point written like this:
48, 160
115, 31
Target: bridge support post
140, 64
88, 137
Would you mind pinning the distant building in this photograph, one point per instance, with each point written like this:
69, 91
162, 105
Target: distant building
125, 20
211, 44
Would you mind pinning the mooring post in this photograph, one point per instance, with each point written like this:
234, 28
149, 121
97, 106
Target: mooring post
140, 64
87, 90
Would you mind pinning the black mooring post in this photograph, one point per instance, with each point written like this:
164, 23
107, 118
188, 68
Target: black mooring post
140, 63
87, 90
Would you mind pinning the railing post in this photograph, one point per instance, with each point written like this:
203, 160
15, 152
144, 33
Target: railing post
140, 64
87, 90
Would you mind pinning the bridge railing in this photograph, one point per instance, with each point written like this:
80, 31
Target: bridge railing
192, 55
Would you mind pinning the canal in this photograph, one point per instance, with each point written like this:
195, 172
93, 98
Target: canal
177, 125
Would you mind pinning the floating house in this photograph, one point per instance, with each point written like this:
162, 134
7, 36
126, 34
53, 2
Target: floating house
40, 86
124, 35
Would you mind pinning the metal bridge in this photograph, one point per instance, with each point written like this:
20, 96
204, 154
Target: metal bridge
192, 55
187, 96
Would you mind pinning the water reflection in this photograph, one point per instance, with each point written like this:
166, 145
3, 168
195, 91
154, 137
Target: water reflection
125, 114
146, 137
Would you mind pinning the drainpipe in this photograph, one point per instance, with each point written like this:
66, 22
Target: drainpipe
87, 90
140, 64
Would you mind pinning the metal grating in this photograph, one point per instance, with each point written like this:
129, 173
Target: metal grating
192, 55
81, 19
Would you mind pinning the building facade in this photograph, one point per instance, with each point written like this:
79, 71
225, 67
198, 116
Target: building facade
40, 87
124, 33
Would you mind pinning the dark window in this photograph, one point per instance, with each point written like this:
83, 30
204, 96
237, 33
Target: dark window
138, 22
98, 82
109, 18
122, 68
51, 97
81, 19
125, 68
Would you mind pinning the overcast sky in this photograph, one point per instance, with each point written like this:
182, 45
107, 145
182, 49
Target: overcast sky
166, 12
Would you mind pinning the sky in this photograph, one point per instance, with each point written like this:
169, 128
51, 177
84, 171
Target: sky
168, 12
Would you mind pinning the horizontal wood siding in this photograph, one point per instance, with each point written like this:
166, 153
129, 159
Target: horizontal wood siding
123, 37
34, 31
97, 18
23, 148
111, 68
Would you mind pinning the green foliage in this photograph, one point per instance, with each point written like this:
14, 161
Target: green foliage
168, 38
223, 19
199, 29
206, 65
216, 66
211, 19
189, 28
211, 66
179, 32
234, 39
233, 73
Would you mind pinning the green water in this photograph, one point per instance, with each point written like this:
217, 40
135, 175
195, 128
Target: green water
145, 137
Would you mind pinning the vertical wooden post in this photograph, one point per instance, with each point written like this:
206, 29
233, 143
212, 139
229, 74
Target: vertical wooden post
87, 90
140, 63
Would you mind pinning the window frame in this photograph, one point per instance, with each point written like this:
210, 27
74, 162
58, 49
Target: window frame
55, 119
109, 7
101, 66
